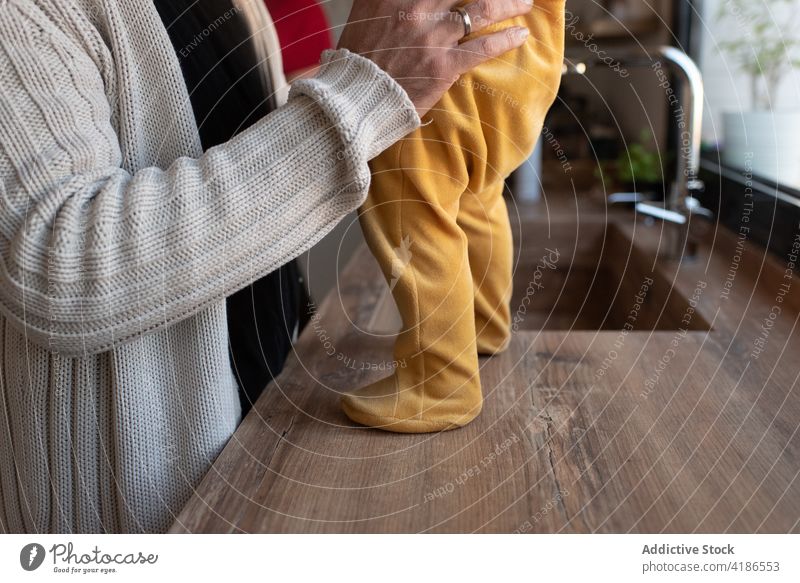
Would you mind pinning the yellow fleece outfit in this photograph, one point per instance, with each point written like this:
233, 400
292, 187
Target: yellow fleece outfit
437, 223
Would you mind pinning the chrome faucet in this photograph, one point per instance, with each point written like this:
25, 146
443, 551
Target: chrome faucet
680, 204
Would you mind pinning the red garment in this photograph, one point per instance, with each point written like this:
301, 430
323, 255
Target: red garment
303, 31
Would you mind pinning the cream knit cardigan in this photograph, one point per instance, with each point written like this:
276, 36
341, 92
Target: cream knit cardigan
120, 239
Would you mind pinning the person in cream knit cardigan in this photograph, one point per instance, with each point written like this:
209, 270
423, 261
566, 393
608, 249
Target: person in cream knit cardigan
120, 238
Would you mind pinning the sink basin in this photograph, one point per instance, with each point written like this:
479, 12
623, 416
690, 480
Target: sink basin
592, 277
570, 276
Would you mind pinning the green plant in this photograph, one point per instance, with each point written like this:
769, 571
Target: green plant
764, 43
640, 163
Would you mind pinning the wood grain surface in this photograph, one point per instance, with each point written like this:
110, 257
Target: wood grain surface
678, 425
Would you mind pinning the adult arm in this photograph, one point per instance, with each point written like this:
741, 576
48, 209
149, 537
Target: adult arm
92, 255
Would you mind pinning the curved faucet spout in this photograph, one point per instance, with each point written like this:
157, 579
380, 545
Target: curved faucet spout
686, 111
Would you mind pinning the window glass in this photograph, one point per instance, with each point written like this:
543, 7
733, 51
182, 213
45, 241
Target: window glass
750, 58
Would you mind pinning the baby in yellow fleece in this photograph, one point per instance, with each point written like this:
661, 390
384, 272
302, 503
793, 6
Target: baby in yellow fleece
437, 197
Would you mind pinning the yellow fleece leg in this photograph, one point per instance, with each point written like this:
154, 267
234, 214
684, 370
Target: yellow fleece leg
410, 226
422, 223
484, 219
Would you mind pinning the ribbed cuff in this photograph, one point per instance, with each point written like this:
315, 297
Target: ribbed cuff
371, 110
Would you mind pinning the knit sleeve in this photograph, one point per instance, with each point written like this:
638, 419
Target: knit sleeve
92, 256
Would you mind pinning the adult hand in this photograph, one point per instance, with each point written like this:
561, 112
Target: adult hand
417, 42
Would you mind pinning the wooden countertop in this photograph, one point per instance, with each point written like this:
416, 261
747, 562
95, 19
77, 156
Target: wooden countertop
712, 446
